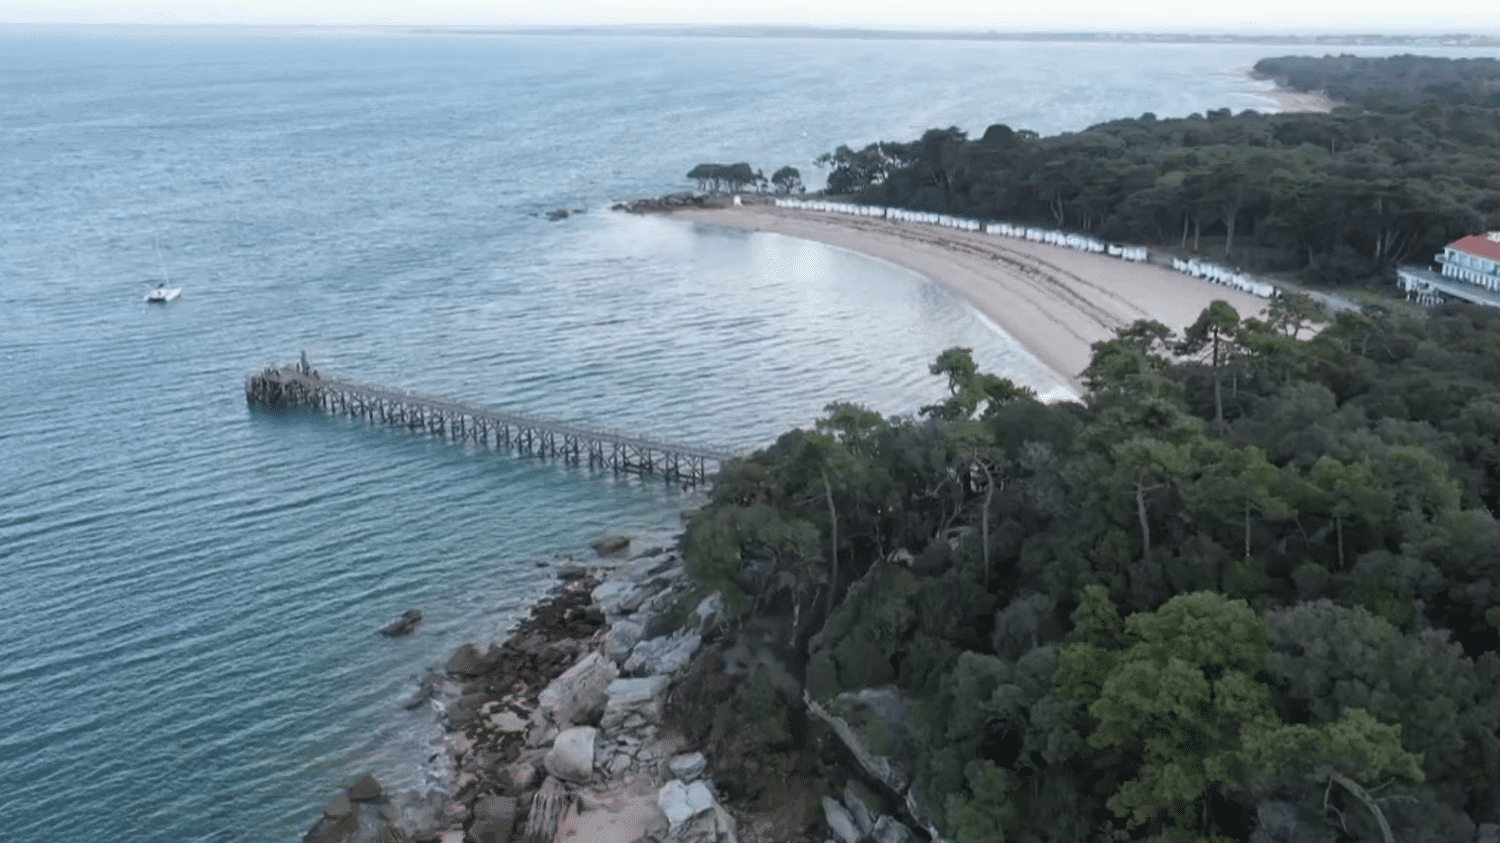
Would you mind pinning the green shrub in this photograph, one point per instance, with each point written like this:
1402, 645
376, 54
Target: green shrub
862, 663
822, 676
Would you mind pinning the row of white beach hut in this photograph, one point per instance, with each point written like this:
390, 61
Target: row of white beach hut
1068, 239
1242, 281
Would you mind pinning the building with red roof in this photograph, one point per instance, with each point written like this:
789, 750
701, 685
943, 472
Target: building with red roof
1470, 272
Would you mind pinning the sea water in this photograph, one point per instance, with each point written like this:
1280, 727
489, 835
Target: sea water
190, 590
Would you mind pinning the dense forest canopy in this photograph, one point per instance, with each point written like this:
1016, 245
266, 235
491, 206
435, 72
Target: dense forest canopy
733, 178
1392, 83
722, 178
1247, 590
1408, 164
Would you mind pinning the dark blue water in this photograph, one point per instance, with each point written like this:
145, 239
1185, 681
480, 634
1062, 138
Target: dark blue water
190, 590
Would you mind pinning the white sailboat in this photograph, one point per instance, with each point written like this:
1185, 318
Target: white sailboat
163, 294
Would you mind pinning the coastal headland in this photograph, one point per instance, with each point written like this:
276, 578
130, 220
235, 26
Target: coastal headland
590, 721
1056, 302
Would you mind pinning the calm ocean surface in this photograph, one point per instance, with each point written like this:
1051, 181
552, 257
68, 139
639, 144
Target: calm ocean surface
191, 590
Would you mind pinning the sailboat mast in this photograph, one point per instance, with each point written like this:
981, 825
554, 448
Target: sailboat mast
165, 281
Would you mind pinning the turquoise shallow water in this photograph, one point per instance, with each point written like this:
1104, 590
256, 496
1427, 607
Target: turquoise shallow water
191, 589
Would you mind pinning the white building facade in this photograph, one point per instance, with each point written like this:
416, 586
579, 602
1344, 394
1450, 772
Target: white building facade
1470, 272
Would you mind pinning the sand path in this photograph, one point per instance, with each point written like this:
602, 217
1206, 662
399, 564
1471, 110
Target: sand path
1054, 301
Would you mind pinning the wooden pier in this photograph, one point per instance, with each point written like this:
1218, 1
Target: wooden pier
302, 386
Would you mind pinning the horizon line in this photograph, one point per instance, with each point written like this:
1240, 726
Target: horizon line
798, 30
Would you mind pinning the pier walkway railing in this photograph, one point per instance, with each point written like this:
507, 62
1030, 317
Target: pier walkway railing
302, 386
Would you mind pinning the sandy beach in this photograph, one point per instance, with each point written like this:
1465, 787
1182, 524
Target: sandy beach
1297, 102
1054, 301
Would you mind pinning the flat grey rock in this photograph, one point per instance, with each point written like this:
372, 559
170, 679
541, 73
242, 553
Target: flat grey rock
682, 802
860, 808
840, 821
666, 656
687, 767
888, 830
632, 700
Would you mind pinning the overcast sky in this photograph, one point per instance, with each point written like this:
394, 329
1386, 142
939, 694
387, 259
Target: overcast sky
1272, 16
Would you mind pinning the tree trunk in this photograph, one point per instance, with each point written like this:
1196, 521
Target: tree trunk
1197, 234
1362, 795
833, 549
1338, 523
1247, 528
1218, 383
984, 520
1140, 513
1184, 231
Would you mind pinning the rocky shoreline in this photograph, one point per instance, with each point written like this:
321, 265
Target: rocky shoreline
557, 731
563, 731
669, 203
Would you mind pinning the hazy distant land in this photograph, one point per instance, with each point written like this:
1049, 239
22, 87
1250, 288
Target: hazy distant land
855, 33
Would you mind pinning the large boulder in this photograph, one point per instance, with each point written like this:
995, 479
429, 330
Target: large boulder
572, 755
494, 819
622, 637
665, 656
464, 711
404, 624
634, 702
467, 660
340, 822
578, 696
609, 545
338, 807
365, 789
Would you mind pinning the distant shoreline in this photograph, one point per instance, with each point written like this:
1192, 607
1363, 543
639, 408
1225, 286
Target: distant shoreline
1427, 39
1055, 302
